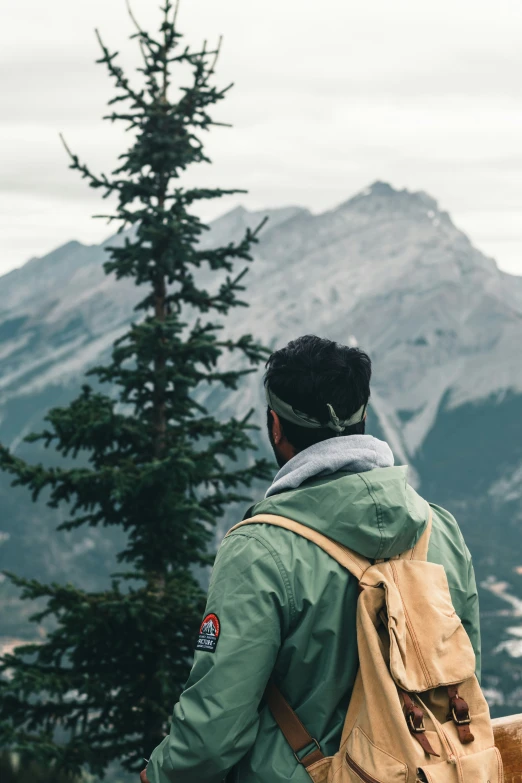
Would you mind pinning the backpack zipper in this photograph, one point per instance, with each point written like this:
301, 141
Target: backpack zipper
358, 771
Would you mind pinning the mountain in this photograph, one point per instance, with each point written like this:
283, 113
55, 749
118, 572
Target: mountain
387, 270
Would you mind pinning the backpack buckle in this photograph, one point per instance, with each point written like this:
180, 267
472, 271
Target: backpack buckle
416, 728
460, 710
461, 721
302, 761
415, 721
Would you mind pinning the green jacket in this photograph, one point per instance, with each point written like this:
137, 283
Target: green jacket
285, 607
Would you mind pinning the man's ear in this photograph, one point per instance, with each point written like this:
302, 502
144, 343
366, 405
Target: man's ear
277, 430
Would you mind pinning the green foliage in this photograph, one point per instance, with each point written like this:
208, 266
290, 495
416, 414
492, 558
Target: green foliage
154, 461
16, 770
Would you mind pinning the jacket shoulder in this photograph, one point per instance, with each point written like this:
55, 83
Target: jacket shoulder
248, 543
446, 529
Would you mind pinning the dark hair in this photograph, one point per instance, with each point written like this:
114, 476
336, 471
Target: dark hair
311, 372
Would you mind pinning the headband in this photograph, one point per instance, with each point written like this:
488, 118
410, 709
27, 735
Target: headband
289, 413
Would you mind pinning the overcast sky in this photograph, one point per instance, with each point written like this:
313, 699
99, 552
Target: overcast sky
329, 96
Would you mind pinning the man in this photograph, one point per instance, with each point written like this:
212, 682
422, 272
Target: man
278, 606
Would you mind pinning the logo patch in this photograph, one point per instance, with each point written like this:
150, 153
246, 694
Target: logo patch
209, 633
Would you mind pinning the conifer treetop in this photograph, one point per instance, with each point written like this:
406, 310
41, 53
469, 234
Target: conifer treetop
139, 450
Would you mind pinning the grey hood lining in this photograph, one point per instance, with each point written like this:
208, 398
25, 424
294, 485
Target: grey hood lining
348, 453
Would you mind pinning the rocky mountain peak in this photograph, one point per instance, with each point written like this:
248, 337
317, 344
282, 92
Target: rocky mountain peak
381, 196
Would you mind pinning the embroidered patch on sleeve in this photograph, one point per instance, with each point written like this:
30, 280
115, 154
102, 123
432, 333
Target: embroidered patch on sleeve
209, 633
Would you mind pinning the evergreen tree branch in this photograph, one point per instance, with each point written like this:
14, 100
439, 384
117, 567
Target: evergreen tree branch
144, 37
118, 75
148, 458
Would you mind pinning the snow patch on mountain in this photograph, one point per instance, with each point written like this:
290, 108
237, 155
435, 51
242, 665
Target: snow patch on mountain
508, 488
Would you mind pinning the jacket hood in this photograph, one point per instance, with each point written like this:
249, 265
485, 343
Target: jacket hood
376, 513
346, 454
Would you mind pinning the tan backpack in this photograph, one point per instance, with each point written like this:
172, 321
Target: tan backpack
417, 713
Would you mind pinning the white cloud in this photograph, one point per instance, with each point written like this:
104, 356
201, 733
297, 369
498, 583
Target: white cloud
328, 98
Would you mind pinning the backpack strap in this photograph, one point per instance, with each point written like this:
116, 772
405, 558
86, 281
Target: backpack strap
291, 727
415, 720
460, 714
350, 560
288, 721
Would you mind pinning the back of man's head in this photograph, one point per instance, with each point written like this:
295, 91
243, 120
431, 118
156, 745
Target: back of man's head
311, 374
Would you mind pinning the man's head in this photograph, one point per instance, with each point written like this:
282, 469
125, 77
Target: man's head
324, 387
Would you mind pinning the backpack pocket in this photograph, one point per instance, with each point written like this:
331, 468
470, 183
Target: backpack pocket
320, 770
428, 644
359, 772
364, 761
483, 767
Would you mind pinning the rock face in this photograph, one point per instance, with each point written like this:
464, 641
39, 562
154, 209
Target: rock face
386, 270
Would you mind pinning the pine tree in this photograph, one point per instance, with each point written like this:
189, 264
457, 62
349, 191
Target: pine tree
155, 461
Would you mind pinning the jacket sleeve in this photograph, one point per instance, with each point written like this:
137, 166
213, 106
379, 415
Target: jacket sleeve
215, 721
471, 617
